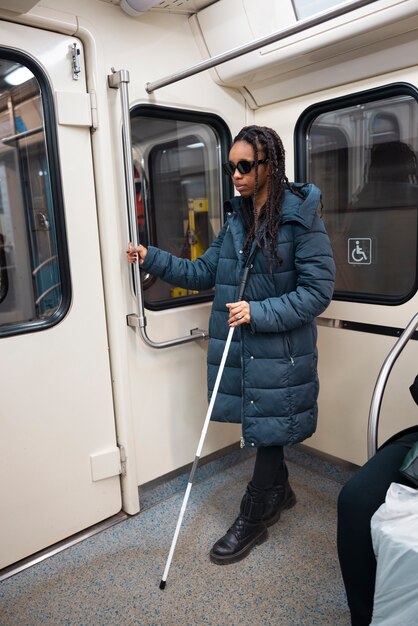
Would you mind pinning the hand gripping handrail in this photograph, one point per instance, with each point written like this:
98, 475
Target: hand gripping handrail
120, 80
381, 384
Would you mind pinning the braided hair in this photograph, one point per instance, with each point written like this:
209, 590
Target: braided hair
263, 226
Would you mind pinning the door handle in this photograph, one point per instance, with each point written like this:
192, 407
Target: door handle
120, 80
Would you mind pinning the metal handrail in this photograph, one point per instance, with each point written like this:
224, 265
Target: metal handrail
381, 384
9, 141
120, 80
301, 25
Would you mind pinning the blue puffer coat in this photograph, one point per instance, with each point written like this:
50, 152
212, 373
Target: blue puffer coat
270, 381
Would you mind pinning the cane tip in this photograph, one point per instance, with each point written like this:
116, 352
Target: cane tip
162, 584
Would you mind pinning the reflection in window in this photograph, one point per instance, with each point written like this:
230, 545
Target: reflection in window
30, 285
364, 158
177, 177
384, 127
4, 279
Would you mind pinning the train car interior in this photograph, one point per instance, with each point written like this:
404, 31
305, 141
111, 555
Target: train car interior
115, 119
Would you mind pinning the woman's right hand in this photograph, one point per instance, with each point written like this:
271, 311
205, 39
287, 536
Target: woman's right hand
135, 253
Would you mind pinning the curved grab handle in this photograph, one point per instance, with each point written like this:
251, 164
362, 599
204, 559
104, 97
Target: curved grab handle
381, 384
120, 80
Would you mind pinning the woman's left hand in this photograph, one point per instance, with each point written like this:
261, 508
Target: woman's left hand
239, 313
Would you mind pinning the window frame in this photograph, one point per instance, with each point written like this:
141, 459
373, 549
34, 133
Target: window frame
219, 126
57, 202
302, 128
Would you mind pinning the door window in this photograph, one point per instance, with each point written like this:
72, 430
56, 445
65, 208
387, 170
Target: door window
33, 275
177, 172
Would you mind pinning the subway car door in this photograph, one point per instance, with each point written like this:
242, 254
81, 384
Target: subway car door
177, 156
59, 461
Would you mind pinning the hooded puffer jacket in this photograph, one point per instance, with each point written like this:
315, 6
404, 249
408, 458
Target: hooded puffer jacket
270, 380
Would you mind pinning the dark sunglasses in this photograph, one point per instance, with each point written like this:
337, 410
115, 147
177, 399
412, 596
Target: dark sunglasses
243, 166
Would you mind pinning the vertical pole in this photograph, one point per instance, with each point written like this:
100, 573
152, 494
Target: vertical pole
120, 80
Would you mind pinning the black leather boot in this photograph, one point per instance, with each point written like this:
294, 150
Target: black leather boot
247, 531
278, 499
281, 497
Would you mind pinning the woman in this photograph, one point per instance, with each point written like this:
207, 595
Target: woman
270, 382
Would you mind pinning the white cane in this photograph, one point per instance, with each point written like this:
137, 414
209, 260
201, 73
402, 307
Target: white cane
203, 435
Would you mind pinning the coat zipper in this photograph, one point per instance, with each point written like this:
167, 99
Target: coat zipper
289, 350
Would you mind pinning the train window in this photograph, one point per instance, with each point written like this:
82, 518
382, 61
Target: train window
362, 152
307, 8
177, 157
31, 279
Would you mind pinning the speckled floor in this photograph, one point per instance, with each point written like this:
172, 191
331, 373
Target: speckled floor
113, 578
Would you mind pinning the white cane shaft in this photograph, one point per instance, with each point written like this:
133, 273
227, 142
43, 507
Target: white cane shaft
198, 452
214, 392
176, 532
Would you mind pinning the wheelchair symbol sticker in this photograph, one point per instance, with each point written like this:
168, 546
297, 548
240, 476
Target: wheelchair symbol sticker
359, 251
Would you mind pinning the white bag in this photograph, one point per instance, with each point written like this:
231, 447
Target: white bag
394, 529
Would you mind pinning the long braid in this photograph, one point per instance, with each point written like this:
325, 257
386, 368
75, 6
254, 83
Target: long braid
263, 227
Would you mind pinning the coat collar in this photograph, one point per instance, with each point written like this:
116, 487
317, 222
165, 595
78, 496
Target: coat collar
294, 209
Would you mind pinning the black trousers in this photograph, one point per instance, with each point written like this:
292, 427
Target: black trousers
359, 499
269, 467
